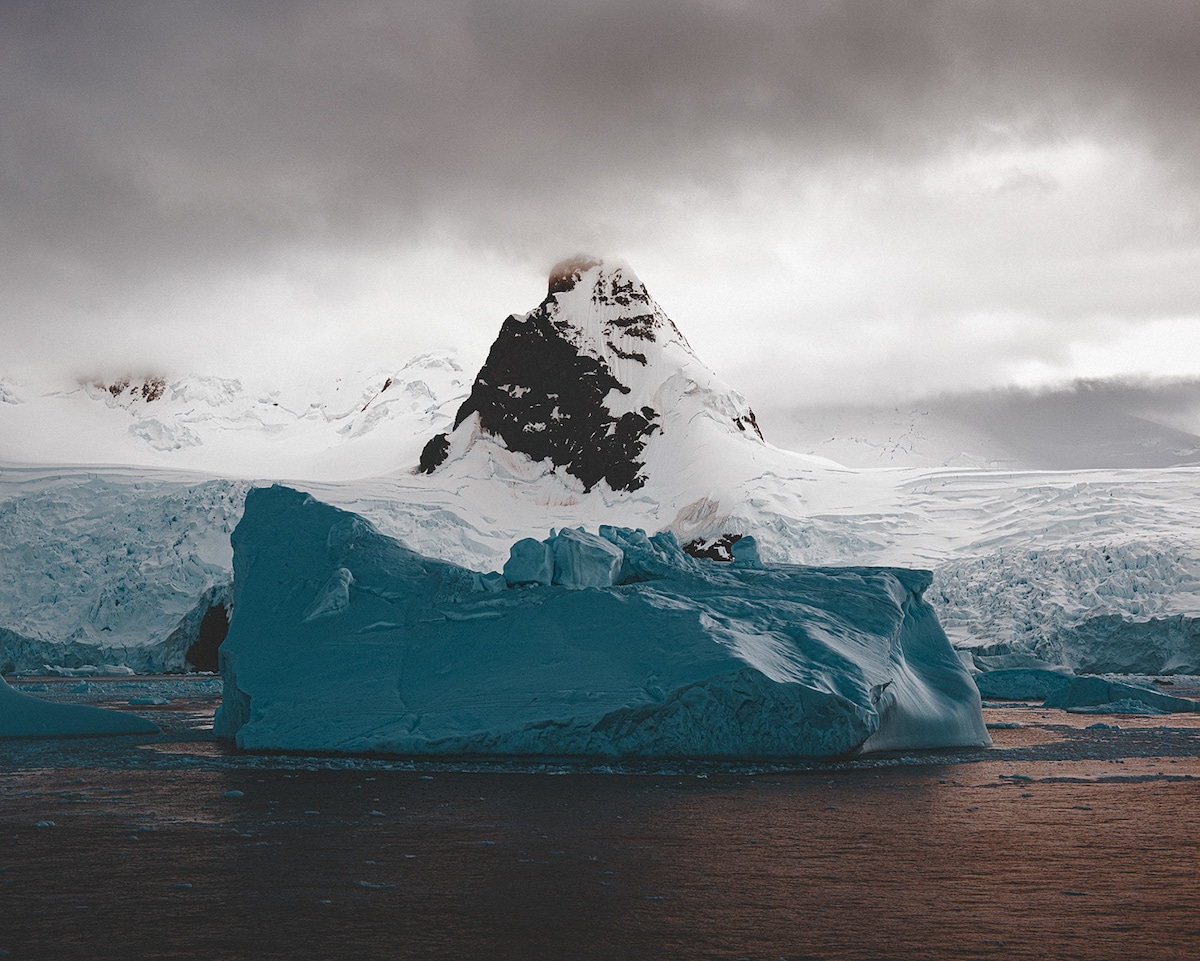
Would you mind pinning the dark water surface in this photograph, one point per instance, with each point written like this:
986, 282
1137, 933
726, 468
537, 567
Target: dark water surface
1061, 843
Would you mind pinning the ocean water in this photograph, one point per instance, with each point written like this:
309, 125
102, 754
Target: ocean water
1064, 841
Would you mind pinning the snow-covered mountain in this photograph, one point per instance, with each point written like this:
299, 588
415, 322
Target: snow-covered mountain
592, 409
596, 380
332, 426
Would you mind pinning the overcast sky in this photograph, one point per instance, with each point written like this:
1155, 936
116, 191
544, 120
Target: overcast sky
831, 199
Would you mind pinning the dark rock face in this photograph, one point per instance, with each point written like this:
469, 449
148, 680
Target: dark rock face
544, 397
748, 423
202, 655
542, 389
434, 453
149, 390
718, 548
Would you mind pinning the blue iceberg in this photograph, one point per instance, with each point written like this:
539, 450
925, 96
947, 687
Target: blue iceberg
344, 640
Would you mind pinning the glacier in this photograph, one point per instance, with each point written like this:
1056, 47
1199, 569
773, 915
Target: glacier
344, 640
113, 567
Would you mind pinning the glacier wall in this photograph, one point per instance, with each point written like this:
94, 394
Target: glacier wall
1113, 606
115, 567
344, 640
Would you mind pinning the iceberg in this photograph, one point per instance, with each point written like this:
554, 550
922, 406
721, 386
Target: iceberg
24, 716
1104, 696
344, 640
1023, 683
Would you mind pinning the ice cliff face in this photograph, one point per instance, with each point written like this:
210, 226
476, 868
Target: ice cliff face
609, 645
588, 380
110, 569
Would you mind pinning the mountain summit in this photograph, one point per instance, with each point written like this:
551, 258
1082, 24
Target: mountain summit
588, 379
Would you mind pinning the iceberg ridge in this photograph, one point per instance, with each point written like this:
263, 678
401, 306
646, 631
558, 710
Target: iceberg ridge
677, 658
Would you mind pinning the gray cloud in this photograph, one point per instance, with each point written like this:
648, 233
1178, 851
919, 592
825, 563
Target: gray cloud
153, 148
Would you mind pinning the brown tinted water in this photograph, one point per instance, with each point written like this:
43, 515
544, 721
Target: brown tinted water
1062, 842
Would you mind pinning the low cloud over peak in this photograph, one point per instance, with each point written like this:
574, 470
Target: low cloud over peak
816, 172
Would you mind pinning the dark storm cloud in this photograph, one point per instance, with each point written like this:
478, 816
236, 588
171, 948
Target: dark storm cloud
149, 143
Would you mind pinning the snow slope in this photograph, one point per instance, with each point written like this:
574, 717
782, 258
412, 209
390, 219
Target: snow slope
344, 640
333, 426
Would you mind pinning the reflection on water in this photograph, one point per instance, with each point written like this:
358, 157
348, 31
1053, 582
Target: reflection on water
1066, 841
953, 862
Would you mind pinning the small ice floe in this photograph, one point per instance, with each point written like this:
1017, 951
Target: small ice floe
147, 701
1099, 695
374, 885
44, 824
181, 886
89, 670
1126, 705
234, 794
375, 814
1004, 725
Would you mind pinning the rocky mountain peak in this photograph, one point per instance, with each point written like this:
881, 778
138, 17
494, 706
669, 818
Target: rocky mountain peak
584, 379
567, 273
